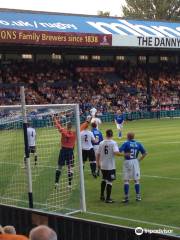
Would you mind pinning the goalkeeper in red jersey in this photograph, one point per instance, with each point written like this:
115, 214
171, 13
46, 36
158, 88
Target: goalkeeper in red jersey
66, 155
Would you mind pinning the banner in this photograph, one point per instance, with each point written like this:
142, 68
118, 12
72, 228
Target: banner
54, 38
95, 69
146, 42
35, 21
63, 29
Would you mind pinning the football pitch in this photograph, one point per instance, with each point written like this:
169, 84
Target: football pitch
160, 176
160, 180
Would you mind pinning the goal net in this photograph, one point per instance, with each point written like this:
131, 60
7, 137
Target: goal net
54, 187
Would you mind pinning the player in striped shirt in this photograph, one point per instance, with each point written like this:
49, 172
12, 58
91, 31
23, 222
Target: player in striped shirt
66, 156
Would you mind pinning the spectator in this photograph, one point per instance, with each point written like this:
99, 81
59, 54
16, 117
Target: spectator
6, 236
1, 229
42, 232
9, 233
9, 229
105, 88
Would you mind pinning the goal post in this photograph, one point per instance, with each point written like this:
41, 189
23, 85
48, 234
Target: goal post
36, 179
26, 148
83, 200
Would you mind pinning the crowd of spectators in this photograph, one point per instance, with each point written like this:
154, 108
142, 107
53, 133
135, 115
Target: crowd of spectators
41, 232
107, 88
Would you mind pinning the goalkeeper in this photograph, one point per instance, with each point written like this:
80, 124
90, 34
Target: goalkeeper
66, 156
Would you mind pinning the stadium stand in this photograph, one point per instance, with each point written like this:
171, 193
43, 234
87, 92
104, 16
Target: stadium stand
106, 87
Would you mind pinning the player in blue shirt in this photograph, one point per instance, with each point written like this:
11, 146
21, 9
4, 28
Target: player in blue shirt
131, 168
99, 138
119, 121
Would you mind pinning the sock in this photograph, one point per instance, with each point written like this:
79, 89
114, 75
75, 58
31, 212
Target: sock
35, 159
70, 177
126, 190
93, 167
120, 135
58, 173
103, 186
108, 191
137, 188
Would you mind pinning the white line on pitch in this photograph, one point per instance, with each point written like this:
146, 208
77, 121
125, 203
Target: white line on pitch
148, 176
160, 177
160, 143
169, 178
132, 220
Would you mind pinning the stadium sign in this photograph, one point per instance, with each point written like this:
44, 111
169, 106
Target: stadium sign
138, 28
54, 38
124, 32
148, 42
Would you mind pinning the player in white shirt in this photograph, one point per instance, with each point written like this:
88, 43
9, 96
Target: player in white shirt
31, 134
87, 138
108, 148
95, 119
93, 112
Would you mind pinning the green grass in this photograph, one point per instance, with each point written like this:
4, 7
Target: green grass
160, 178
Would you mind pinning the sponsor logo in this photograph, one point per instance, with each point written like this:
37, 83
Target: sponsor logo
139, 231
125, 28
35, 24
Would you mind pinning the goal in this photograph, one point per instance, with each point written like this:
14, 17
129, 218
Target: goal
28, 179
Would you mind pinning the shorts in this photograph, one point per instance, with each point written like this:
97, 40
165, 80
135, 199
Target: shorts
32, 149
66, 157
96, 147
88, 154
131, 169
109, 175
119, 126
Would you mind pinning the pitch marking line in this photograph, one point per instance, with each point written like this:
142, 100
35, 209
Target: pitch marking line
160, 143
144, 175
169, 178
160, 177
133, 220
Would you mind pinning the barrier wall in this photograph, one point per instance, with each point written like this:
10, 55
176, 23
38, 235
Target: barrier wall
143, 115
108, 117
70, 228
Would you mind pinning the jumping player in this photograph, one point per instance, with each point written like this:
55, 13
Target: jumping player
95, 119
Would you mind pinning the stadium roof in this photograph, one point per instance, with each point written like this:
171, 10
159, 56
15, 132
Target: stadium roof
62, 29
